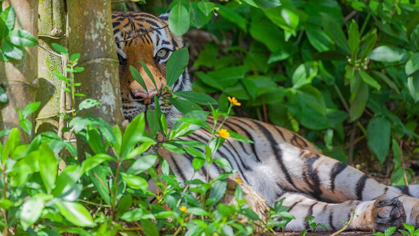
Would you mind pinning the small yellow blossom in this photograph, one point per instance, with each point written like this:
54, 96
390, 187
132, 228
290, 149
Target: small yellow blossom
239, 180
215, 233
223, 133
234, 101
183, 209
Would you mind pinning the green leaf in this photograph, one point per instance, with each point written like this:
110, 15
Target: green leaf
264, 4
99, 177
135, 182
285, 18
153, 122
67, 179
124, 205
179, 20
148, 72
136, 75
239, 137
149, 228
206, 7
184, 106
238, 193
26, 125
32, 208
413, 86
30, 108
3, 29
59, 48
387, 53
75, 213
334, 31
176, 65
132, 135
11, 51
22, 38
354, 37
197, 163
217, 191
93, 161
198, 211
95, 140
304, 74
173, 148
369, 80
134, 215
48, 167
232, 16
3, 96
199, 98
165, 167
142, 164
412, 65
88, 103
359, 103
8, 16
378, 136
223, 163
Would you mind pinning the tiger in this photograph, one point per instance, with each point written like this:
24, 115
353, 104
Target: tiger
278, 164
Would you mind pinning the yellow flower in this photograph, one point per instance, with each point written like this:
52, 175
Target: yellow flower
223, 133
239, 180
215, 233
234, 101
183, 209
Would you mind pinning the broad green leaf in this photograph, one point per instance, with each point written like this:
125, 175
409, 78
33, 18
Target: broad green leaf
179, 20
93, 161
165, 167
32, 208
304, 74
239, 137
334, 30
3, 29
184, 106
12, 142
148, 72
173, 148
264, 4
11, 51
217, 191
75, 213
142, 164
99, 176
135, 215
3, 96
359, 103
412, 65
378, 136
198, 211
22, 38
176, 65
387, 53
88, 103
48, 167
199, 98
139, 150
67, 179
194, 121
413, 86
135, 182
153, 122
8, 16
206, 7
284, 17
59, 48
197, 163
369, 80
354, 37
31, 108
136, 75
232, 16
95, 141
149, 228
26, 125
223, 163
132, 135
124, 205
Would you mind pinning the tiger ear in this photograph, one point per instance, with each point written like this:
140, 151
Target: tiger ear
164, 16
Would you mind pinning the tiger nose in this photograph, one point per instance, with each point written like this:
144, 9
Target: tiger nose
147, 98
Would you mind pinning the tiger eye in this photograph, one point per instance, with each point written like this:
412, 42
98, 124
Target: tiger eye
162, 53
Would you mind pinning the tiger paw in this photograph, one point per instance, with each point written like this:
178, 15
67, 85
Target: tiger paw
387, 212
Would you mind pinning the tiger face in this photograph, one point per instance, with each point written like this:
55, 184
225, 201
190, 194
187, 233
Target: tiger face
141, 37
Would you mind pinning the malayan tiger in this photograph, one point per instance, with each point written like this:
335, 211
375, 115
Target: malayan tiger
279, 164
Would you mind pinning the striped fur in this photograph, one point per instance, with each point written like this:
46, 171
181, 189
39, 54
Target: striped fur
279, 164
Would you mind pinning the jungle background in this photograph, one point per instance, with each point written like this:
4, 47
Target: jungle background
344, 74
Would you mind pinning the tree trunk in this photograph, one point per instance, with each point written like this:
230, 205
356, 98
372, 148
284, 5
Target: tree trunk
90, 29
52, 29
17, 77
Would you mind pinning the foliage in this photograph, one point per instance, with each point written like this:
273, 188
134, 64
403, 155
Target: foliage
410, 231
13, 40
314, 66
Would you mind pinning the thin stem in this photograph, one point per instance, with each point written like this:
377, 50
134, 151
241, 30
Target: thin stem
49, 51
92, 203
342, 99
347, 224
4, 212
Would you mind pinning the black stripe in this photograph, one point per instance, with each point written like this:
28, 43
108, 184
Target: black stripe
174, 43
331, 220
280, 132
312, 174
337, 168
235, 130
309, 213
178, 170
153, 23
404, 189
165, 42
293, 205
360, 186
277, 152
252, 145
115, 23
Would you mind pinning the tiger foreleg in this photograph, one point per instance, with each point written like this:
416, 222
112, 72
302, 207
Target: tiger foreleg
366, 215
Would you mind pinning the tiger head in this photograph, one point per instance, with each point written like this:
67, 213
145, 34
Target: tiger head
141, 37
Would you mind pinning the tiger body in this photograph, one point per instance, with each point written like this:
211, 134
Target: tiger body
279, 164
